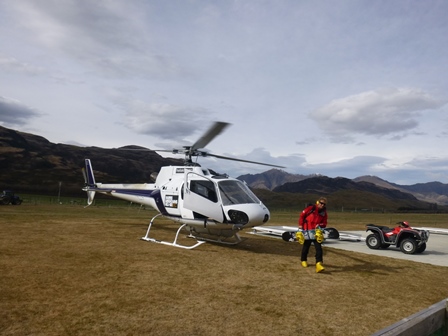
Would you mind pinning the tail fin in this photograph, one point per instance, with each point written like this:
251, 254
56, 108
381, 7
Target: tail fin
89, 180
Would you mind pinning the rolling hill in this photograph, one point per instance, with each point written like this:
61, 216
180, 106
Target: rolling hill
30, 163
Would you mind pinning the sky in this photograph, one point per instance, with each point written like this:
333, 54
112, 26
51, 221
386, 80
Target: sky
339, 88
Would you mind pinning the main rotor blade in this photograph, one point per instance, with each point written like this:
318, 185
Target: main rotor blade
172, 151
214, 131
136, 149
239, 160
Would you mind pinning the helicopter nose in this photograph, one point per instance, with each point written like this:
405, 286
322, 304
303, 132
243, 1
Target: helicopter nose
249, 214
238, 217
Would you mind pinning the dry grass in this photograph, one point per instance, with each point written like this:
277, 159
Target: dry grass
66, 270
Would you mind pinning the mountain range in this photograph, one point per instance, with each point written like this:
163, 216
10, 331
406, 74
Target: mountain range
31, 164
280, 181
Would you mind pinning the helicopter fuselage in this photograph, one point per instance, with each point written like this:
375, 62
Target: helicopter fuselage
207, 204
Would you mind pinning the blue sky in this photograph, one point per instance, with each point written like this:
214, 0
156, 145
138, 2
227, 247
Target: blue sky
345, 88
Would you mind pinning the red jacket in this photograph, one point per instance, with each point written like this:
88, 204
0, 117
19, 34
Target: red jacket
312, 217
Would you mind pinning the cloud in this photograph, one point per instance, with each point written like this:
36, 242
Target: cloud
166, 121
379, 112
72, 24
15, 66
353, 167
237, 168
13, 112
112, 37
422, 169
11, 64
261, 155
433, 162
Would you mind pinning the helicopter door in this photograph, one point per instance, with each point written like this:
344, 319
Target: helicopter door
200, 196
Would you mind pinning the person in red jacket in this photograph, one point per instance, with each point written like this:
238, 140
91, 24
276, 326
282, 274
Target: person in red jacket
312, 217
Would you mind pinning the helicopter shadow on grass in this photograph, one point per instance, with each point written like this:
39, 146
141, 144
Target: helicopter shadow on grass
359, 264
355, 263
272, 246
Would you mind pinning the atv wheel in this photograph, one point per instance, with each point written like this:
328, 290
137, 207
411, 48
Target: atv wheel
408, 246
421, 248
373, 241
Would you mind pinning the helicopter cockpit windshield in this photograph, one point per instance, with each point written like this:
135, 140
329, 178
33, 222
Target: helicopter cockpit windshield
236, 192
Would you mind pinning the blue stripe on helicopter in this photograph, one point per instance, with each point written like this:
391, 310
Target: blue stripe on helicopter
155, 194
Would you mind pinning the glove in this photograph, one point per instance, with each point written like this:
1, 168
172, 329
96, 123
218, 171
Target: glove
300, 237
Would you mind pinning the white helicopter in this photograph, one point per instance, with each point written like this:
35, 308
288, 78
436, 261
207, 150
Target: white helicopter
210, 207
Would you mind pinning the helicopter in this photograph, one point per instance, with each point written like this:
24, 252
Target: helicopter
211, 207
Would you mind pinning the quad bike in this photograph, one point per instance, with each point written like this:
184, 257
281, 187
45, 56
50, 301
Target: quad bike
409, 240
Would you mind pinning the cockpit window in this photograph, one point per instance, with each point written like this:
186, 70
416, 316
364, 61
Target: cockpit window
204, 188
236, 192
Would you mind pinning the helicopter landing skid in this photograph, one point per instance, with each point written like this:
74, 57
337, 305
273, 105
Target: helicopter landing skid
237, 237
174, 243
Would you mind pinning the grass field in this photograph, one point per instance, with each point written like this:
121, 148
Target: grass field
69, 270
